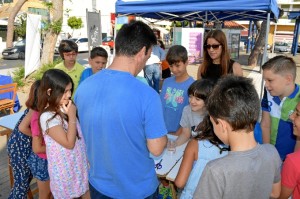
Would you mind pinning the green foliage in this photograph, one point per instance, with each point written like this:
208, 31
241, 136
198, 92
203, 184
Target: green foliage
49, 5
54, 27
75, 23
18, 76
179, 23
21, 29
39, 73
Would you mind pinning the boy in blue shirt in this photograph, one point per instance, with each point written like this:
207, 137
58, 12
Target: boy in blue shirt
174, 95
97, 61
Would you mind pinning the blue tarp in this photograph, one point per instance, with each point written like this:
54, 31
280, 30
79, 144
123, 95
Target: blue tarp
217, 10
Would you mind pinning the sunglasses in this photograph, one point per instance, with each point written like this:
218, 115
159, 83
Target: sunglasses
214, 46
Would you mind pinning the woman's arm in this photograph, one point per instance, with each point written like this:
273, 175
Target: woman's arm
190, 155
24, 126
237, 69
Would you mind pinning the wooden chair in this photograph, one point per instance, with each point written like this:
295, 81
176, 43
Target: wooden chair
8, 103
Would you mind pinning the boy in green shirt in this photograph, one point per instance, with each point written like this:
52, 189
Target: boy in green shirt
68, 51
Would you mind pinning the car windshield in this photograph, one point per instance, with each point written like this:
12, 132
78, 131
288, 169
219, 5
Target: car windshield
20, 43
107, 39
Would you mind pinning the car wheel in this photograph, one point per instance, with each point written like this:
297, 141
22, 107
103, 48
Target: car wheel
22, 55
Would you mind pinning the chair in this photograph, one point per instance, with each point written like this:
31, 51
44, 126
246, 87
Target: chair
7, 97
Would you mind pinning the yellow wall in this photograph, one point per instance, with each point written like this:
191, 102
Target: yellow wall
289, 28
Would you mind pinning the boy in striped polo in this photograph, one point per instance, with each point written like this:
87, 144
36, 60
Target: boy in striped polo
280, 99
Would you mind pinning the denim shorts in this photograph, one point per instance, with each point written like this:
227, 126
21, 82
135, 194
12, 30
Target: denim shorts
38, 167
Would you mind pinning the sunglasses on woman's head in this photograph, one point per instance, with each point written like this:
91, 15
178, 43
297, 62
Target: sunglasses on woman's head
214, 46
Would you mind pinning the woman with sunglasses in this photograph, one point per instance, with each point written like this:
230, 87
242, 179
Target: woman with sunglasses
217, 62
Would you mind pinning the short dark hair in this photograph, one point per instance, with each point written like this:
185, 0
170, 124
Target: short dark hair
98, 52
176, 54
281, 64
132, 37
201, 88
66, 46
235, 100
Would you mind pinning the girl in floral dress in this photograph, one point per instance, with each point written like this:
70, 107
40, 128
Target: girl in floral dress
65, 148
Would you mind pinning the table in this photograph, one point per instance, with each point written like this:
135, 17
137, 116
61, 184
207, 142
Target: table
168, 161
8, 122
8, 80
170, 164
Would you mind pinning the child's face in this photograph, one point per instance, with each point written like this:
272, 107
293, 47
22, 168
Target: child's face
196, 103
97, 63
179, 69
70, 57
214, 53
295, 117
67, 95
275, 83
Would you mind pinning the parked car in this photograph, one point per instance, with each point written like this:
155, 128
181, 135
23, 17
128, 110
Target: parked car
109, 41
82, 43
282, 47
15, 52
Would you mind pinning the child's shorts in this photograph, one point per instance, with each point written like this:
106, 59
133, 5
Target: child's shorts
38, 167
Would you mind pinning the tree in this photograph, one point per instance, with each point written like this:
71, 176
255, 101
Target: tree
75, 23
259, 43
20, 30
10, 22
52, 29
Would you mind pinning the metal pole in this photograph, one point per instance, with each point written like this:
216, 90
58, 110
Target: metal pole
87, 29
273, 43
266, 40
265, 54
249, 37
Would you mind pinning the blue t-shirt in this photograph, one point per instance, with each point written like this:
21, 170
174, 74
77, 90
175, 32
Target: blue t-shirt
118, 113
85, 74
174, 97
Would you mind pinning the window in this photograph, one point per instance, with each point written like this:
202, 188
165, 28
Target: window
39, 11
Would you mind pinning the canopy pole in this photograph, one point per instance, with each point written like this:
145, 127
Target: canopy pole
295, 38
265, 54
266, 41
274, 36
249, 37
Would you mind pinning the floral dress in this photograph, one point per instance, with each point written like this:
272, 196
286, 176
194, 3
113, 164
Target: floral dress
68, 168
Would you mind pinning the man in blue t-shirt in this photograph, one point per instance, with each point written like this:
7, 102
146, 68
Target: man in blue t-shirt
122, 120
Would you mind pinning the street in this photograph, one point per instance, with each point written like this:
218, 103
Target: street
8, 66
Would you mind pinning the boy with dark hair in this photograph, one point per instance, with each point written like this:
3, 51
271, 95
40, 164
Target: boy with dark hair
280, 99
68, 51
97, 61
174, 94
250, 170
122, 121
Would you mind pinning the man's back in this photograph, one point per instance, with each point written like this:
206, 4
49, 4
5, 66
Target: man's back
244, 174
127, 112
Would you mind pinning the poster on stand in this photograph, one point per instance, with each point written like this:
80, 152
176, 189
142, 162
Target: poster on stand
192, 40
233, 42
